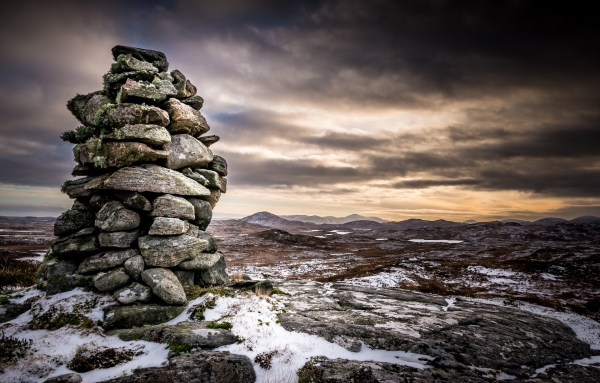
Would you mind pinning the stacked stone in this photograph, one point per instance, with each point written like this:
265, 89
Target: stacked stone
136, 228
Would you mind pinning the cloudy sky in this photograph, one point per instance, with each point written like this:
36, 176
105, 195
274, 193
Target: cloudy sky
427, 109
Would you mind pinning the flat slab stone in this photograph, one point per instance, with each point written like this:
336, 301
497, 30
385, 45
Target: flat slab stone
156, 58
170, 251
119, 154
132, 114
74, 220
155, 179
138, 92
148, 134
193, 333
209, 140
106, 261
172, 207
118, 239
202, 261
10, 311
196, 367
186, 151
82, 243
116, 317
195, 102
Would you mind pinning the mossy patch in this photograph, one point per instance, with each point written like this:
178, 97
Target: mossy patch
88, 358
280, 292
197, 312
219, 325
55, 318
179, 348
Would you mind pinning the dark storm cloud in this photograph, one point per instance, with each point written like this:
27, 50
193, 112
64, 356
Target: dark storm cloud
334, 55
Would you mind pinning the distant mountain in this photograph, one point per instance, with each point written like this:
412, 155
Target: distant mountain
331, 220
470, 222
415, 223
520, 221
265, 218
549, 221
586, 219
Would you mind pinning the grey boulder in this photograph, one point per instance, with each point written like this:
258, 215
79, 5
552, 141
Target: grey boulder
81, 243
135, 201
114, 216
219, 165
168, 226
117, 154
134, 266
73, 220
165, 285
172, 207
213, 198
139, 92
202, 213
195, 176
186, 151
156, 58
185, 277
105, 261
212, 244
214, 275
111, 280
184, 87
170, 251
60, 284
135, 292
195, 102
185, 119
118, 239
203, 261
215, 181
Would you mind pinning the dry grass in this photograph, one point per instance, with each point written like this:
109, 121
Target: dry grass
16, 273
235, 276
263, 291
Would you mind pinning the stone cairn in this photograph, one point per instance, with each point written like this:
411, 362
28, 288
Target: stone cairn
136, 228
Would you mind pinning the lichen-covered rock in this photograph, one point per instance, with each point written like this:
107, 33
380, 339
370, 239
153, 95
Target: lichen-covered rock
128, 63
105, 261
99, 200
118, 239
138, 92
77, 104
65, 378
172, 207
138, 315
154, 179
168, 226
55, 268
165, 85
186, 151
213, 198
149, 134
213, 275
195, 102
60, 284
193, 230
197, 367
188, 172
209, 140
132, 114
135, 292
111, 280
134, 266
114, 216
212, 244
76, 188
170, 251
113, 81
96, 111
156, 58
185, 119
73, 220
194, 334
219, 165
215, 181
135, 201
185, 277
165, 285
118, 154
82, 243
202, 261
202, 213
184, 87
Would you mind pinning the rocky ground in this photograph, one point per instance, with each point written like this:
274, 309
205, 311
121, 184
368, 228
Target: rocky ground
508, 302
